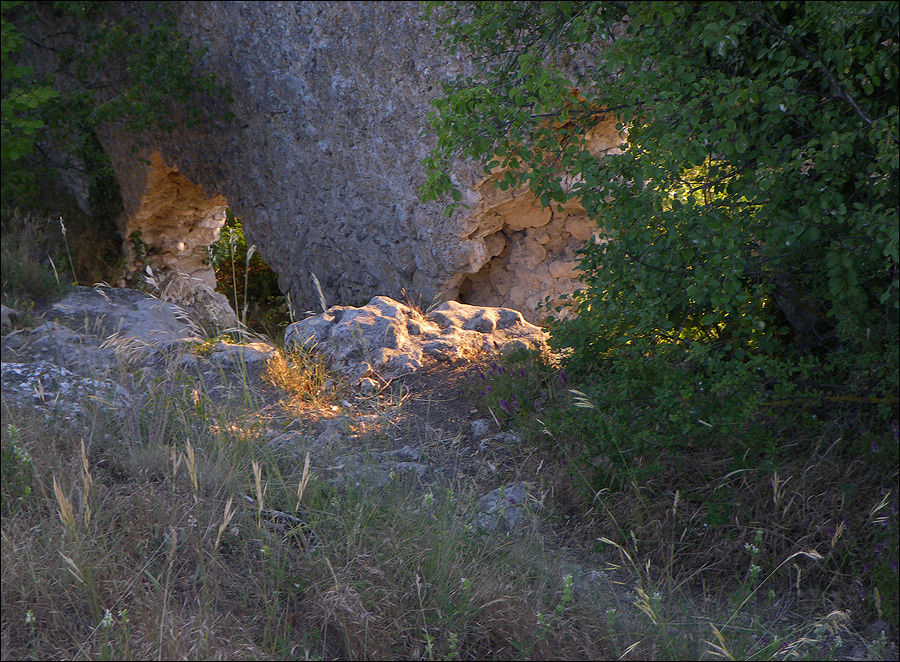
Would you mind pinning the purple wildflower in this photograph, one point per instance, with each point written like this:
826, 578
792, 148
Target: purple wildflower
504, 405
892, 564
514, 404
563, 380
522, 372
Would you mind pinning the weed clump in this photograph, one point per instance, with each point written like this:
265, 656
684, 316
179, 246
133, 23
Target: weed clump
304, 376
680, 467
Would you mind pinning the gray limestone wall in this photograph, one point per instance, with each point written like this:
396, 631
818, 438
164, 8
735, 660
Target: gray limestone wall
323, 163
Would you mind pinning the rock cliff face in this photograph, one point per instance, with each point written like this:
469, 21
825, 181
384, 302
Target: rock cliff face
322, 164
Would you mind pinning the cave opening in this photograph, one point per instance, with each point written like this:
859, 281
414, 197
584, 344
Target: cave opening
527, 255
190, 247
246, 281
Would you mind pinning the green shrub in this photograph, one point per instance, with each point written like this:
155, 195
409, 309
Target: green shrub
754, 209
247, 281
17, 470
745, 295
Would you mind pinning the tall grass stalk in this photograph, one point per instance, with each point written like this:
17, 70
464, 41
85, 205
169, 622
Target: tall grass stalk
249, 256
232, 245
88, 483
62, 227
319, 292
64, 504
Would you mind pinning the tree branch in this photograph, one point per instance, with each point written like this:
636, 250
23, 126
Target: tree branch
813, 58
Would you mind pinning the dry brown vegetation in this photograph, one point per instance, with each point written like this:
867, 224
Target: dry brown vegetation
182, 532
164, 539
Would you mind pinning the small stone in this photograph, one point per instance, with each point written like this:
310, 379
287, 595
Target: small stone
368, 385
481, 428
407, 453
879, 627
412, 467
501, 509
8, 316
507, 437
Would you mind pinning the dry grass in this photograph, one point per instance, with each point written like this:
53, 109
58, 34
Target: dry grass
161, 539
757, 562
304, 377
181, 533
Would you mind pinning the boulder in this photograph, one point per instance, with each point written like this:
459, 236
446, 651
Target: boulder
85, 355
50, 387
322, 161
106, 312
389, 339
97, 335
207, 308
224, 371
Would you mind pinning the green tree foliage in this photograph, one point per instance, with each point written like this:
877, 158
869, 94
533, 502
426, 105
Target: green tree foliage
108, 62
754, 211
23, 98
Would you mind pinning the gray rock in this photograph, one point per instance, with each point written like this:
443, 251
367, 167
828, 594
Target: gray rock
105, 312
421, 470
207, 308
51, 387
252, 355
407, 453
372, 471
376, 337
878, 627
329, 92
590, 584
8, 316
505, 438
55, 343
502, 509
368, 385
481, 428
